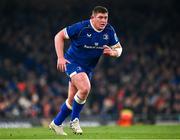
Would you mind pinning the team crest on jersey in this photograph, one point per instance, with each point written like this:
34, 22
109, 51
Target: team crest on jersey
105, 37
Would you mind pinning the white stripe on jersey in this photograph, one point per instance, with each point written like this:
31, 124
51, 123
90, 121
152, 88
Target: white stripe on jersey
66, 34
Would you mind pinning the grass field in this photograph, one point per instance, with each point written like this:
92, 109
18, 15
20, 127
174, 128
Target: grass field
103, 132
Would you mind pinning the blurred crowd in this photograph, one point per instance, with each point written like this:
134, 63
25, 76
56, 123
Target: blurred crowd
146, 78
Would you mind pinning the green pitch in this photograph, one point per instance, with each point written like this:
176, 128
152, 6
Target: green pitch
103, 132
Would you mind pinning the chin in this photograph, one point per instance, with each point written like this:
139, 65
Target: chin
101, 28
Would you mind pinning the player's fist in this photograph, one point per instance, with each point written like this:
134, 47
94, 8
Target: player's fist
107, 51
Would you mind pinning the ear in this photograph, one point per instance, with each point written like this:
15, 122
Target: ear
92, 16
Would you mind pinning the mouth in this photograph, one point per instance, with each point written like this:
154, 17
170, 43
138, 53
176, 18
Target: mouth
102, 25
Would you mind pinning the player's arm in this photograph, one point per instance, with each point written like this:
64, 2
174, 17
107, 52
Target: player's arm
59, 46
114, 51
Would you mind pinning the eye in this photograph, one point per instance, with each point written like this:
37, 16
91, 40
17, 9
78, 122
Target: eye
102, 17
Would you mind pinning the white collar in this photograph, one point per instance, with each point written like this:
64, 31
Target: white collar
94, 27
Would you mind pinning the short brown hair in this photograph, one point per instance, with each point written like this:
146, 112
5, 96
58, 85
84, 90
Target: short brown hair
99, 9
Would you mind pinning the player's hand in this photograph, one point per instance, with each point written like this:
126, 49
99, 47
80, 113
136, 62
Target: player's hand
61, 64
108, 51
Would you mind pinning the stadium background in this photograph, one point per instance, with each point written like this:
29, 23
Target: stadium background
145, 79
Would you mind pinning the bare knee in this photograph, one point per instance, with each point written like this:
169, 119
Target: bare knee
82, 83
84, 92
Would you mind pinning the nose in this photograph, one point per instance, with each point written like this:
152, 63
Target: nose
104, 20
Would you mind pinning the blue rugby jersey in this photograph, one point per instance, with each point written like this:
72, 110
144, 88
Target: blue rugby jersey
87, 43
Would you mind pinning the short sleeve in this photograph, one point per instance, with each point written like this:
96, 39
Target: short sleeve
113, 37
73, 30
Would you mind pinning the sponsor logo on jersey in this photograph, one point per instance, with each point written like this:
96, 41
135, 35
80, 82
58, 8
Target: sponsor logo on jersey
93, 47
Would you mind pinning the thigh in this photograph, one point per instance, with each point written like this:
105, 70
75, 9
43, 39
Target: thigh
81, 81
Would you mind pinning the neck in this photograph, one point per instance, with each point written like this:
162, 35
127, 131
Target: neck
94, 27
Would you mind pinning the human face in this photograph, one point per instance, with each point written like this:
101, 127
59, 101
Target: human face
99, 20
